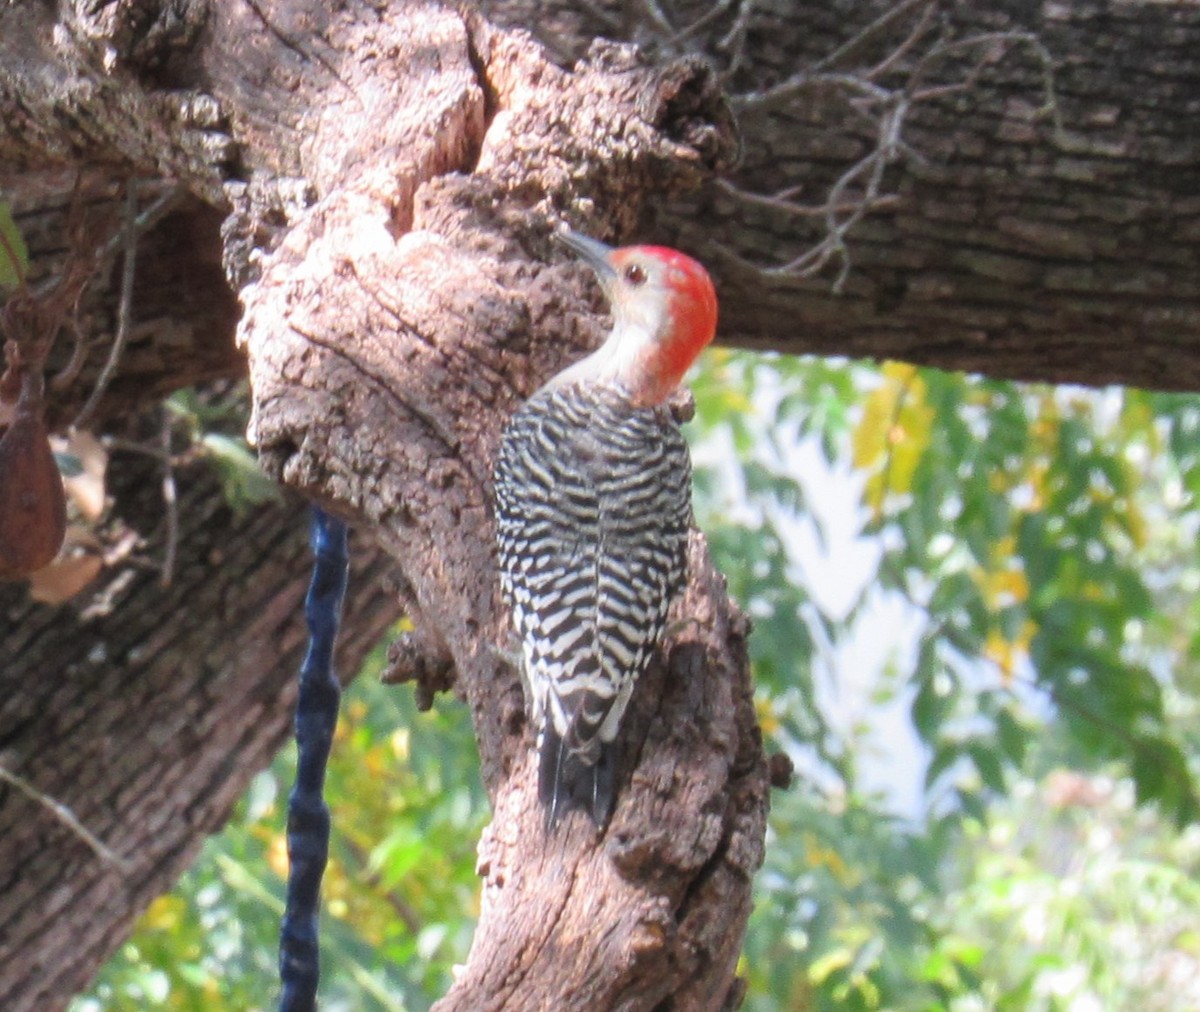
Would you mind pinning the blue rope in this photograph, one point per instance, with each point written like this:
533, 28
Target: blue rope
308, 815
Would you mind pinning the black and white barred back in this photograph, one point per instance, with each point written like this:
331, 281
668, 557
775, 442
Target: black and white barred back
593, 504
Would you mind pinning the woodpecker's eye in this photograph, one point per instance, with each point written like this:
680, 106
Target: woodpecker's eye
635, 275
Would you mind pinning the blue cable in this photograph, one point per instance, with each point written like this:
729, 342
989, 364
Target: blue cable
308, 815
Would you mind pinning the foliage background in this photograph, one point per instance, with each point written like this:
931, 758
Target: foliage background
976, 633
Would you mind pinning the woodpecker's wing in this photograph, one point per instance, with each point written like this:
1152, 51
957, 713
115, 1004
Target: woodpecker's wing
593, 505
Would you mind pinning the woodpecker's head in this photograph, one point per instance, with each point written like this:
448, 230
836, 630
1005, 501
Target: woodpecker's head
664, 312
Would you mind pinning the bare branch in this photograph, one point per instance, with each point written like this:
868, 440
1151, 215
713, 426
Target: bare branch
734, 41
702, 22
170, 501
782, 202
650, 14
859, 190
606, 18
124, 306
66, 817
782, 94
892, 60
1004, 40
873, 31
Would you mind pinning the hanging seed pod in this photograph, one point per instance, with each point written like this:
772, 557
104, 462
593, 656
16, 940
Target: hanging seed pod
33, 507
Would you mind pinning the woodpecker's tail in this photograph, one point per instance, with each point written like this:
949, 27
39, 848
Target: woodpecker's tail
565, 781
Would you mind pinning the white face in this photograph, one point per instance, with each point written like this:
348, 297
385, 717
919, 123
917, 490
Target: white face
638, 293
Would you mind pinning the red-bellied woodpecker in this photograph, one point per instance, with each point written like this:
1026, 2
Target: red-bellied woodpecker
593, 504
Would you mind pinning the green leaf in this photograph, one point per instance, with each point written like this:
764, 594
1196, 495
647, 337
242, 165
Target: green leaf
244, 482
988, 764
14, 257
933, 701
1013, 737
944, 757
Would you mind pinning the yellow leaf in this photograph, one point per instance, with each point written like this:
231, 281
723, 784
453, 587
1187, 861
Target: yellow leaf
1044, 430
1135, 524
874, 493
1006, 654
870, 436
821, 969
820, 856
277, 857
164, 913
906, 455
1003, 587
998, 650
768, 719
910, 436
899, 373
894, 432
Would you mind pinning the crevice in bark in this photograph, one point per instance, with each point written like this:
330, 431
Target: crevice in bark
492, 99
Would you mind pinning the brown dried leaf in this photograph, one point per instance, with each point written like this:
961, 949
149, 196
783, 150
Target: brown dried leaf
33, 506
64, 578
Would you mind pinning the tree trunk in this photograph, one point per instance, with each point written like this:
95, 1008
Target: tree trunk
383, 369
145, 711
377, 186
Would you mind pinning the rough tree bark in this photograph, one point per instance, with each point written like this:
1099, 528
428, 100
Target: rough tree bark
377, 183
148, 718
390, 334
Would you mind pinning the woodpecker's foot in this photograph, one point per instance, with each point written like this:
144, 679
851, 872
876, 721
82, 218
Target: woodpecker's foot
510, 655
509, 651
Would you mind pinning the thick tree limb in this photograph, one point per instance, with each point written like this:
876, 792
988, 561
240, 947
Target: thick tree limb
383, 369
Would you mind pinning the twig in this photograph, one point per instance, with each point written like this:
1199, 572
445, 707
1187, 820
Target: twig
1007, 39
607, 19
890, 61
702, 22
783, 93
652, 14
734, 41
66, 817
834, 244
170, 502
124, 306
184, 457
782, 203
11, 255
142, 223
79, 349
888, 108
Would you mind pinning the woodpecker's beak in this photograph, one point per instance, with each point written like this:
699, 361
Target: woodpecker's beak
592, 252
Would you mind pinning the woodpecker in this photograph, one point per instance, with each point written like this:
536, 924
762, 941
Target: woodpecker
593, 504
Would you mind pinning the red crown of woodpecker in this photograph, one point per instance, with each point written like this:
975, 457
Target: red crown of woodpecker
664, 313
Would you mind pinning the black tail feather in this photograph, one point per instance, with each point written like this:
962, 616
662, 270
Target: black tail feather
565, 781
